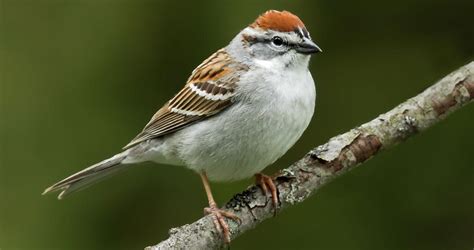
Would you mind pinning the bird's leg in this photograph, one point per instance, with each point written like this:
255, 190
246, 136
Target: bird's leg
218, 214
266, 184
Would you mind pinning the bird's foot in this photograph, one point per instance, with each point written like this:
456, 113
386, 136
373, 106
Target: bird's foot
267, 185
218, 216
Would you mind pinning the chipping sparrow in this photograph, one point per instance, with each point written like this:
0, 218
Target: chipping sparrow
241, 110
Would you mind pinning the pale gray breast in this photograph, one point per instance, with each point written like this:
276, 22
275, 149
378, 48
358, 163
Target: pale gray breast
252, 133
258, 129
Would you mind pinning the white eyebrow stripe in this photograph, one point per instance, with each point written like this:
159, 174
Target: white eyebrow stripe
301, 31
210, 96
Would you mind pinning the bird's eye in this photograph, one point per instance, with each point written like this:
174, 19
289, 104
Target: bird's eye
277, 41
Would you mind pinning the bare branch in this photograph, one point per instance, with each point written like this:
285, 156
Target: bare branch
340, 154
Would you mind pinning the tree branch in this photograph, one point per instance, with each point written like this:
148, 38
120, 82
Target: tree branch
342, 153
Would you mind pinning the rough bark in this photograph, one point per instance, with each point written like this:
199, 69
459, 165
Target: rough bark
340, 154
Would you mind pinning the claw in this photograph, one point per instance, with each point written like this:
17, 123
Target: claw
219, 221
217, 213
266, 183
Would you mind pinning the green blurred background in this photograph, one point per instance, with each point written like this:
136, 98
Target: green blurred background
80, 78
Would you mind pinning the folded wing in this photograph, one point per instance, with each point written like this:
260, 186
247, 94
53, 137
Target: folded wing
208, 91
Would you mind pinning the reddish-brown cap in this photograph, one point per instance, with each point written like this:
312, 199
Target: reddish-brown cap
283, 21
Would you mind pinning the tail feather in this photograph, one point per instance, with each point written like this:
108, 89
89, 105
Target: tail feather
88, 176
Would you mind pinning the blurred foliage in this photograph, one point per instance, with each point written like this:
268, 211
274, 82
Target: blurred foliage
79, 79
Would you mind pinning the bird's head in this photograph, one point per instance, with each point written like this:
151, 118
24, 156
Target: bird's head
277, 37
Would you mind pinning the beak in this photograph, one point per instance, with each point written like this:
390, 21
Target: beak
307, 47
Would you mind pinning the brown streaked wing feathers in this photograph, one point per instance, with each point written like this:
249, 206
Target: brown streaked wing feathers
208, 91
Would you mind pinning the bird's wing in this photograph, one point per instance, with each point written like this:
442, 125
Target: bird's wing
208, 91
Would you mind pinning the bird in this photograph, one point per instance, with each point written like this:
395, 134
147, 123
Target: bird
240, 110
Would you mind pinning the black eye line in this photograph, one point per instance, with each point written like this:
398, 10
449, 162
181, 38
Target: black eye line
306, 33
302, 32
269, 40
299, 33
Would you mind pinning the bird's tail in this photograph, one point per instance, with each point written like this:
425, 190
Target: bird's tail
89, 176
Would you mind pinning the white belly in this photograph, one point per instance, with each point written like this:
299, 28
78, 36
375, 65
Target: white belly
248, 136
